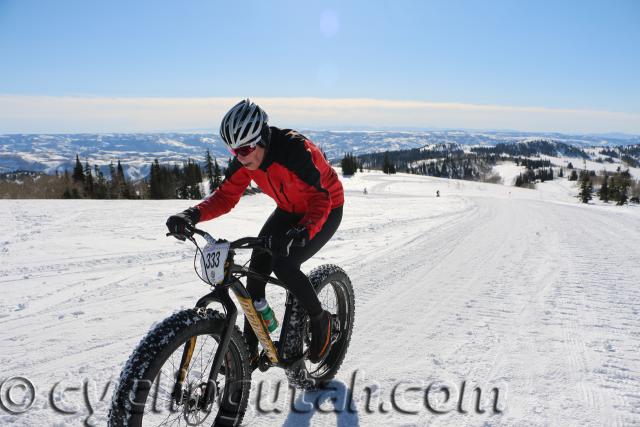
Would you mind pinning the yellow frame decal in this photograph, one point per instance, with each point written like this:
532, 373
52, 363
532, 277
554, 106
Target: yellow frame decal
191, 345
255, 320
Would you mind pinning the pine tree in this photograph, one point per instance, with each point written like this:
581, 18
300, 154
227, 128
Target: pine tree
586, 188
387, 166
542, 175
155, 190
189, 178
603, 193
78, 172
623, 182
113, 184
217, 174
349, 165
573, 176
88, 180
196, 181
519, 181
120, 171
210, 173
123, 189
100, 184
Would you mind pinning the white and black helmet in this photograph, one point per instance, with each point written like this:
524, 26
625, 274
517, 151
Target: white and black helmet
244, 124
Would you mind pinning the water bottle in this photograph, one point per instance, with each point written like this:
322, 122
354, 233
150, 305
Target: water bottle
268, 316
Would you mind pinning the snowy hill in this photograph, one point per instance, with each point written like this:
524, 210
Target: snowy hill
136, 151
526, 291
534, 147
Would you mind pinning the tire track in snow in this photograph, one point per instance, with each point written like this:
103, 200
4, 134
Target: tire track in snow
402, 287
87, 264
581, 294
608, 295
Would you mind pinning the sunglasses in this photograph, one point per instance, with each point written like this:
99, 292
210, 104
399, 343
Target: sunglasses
243, 151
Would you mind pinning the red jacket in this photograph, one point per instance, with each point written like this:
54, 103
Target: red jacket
294, 173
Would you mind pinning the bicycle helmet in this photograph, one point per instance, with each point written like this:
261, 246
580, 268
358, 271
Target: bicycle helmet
244, 124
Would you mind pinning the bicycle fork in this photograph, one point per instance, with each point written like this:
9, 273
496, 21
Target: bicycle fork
221, 295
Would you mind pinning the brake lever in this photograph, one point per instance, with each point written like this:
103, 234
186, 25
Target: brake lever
190, 229
177, 236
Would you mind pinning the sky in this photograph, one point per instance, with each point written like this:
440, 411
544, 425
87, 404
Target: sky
82, 66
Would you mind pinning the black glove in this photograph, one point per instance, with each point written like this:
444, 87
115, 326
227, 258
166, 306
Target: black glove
182, 223
281, 244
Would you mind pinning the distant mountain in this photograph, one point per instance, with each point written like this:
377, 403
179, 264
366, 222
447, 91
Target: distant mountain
534, 147
48, 153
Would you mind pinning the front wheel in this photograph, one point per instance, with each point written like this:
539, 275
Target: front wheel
335, 293
146, 394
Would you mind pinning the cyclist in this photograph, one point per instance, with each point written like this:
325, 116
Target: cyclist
309, 197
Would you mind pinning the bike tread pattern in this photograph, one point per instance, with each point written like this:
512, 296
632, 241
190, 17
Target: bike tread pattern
151, 346
299, 378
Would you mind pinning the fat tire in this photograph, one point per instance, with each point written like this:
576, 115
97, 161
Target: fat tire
153, 351
320, 277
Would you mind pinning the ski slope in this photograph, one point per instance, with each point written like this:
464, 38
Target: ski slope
527, 291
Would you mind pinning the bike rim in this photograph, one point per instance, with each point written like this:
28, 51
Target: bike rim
334, 298
162, 410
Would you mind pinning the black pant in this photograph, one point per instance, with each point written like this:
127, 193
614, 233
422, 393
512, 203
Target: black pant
287, 269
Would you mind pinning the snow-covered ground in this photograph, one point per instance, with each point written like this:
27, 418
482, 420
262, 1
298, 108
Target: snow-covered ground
509, 171
527, 291
579, 164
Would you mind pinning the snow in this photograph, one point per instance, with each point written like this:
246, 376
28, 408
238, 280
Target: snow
591, 165
509, 171
525, 290
175, 143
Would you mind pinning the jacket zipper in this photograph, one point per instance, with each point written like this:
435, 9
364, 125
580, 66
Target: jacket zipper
275, 192
283, 193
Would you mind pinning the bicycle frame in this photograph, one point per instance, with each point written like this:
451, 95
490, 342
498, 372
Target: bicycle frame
220, 294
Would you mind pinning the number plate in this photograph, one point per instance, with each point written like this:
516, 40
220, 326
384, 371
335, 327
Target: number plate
212, 262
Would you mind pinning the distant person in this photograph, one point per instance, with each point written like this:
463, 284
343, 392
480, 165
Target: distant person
309, 198
437, 193
365, 190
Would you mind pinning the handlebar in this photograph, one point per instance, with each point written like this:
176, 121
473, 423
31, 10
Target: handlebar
250, 243
259, 243
242, 243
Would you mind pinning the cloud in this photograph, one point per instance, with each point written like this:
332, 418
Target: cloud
70, 114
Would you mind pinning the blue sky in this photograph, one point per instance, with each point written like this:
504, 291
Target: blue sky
577, 57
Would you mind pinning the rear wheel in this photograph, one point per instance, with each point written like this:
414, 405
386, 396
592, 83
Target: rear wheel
146, 396
335, 292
